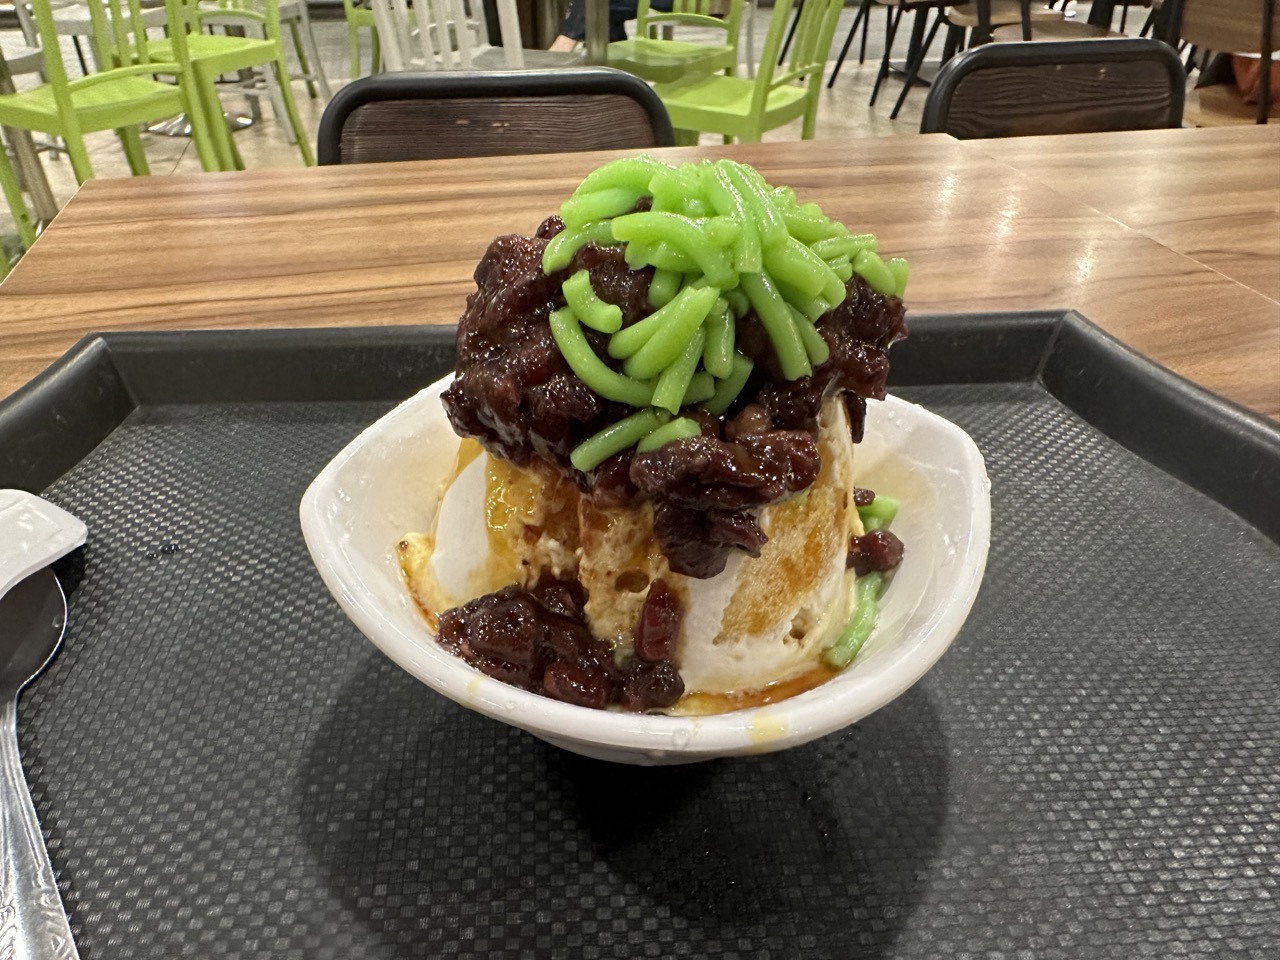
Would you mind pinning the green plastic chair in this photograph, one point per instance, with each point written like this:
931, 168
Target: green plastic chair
120, 97
659, 61
745, 109
212, 55
360, 17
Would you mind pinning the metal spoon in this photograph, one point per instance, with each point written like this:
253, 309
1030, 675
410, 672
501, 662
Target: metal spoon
33, 617
33, 925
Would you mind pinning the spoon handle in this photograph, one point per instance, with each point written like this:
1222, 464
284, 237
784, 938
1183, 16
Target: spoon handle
33, 925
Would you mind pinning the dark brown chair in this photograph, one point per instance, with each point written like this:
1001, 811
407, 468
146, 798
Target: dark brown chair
1081, 86
1096, 27
431, 116
977, 18
1228, 26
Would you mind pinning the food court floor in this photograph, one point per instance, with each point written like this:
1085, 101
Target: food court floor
843, 112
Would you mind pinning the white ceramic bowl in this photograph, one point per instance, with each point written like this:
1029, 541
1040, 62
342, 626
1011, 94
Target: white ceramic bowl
386, 482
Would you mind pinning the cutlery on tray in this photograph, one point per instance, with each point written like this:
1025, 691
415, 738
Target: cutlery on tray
33, 617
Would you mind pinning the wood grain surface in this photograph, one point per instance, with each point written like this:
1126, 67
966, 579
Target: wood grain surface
1022, 100
1212, 195
396, 244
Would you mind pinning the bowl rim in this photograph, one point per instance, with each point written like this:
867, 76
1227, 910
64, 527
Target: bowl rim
832, 705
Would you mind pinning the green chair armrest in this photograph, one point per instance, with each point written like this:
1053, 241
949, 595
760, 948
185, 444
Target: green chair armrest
132, 70
687, 19
226, 17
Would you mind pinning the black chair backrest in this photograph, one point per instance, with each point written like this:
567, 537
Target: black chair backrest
430, 116
1077, 86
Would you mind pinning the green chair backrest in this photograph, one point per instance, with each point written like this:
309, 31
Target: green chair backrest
691, 13
263, 12
809, 48
119, 37
119, 34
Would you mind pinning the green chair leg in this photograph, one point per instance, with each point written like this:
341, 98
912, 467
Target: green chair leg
291, 109
79, 156
377, 50
207, 102
17, 205
200, 134
810, 125
353, 49
134, 151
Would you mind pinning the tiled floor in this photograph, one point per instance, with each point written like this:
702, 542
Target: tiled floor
843, 112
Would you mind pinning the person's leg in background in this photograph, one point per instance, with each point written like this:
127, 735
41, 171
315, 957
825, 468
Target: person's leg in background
573, 30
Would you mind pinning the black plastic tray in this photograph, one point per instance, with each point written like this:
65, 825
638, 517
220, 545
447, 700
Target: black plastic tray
225, 768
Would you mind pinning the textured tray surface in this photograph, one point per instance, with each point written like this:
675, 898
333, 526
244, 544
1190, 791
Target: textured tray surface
225, 768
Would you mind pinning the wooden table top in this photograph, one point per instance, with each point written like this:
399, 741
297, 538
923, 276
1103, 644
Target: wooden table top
396, 244
1213, 196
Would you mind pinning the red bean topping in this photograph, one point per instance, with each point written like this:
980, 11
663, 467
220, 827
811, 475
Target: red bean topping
580, 681
862, 497
651, 686
750, 421
610, 483
856, 407
503, 626
708, 424
697, 542
565, 597
550, 227
705, 473
529, 678
517, 396
538, 639
877, 550
659, 627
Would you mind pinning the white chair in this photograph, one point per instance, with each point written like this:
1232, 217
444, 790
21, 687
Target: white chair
72, 19
747, 50
448, 35
20, 58
295, 16
253, 84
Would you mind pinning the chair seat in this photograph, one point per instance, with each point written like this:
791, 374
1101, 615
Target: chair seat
216, 53
21, 58
103, 106
1060, 30
706, 104
493, 58
1221, 105
667, 61
1002, 12
75, 20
